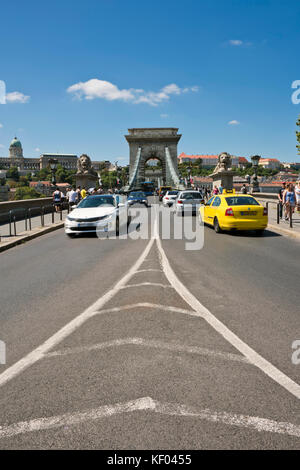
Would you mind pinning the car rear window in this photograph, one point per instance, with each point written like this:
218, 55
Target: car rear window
241, 201
139, 194
172, 193
195, 195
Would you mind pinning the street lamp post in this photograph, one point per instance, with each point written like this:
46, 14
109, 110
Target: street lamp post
53, 162
255, 185
189, 176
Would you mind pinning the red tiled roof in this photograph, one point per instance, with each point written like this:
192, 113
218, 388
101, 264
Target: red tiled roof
183, 155
269, 160
34, 183
243, 159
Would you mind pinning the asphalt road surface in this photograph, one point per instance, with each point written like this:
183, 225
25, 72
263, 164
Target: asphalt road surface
142, 344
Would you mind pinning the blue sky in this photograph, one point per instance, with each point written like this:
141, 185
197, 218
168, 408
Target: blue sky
94, 68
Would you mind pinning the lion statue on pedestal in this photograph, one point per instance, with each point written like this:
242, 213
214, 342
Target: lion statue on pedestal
224, 162
84, 166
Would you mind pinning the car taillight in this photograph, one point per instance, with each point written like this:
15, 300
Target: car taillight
265, 211
229, 211
179, 202
166, 197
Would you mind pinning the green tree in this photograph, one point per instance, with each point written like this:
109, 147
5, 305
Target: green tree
27, 193
13, 173
298, 136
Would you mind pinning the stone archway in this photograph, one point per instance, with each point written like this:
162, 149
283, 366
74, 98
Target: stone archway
155, 173
149, 143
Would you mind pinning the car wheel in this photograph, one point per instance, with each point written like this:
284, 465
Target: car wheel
71, 235
260, 233
217, 226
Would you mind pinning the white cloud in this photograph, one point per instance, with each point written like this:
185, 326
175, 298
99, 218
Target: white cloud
235, 42
1, 125
37, 149
17, 97
96, 88
234, 123
1, 146
164, 116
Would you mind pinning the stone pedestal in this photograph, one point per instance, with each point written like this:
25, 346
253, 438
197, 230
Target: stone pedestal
223, 178
86, 181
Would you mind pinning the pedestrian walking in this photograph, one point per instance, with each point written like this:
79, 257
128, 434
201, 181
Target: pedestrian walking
215, 190
280, 198
57, 199
72, 197
297, 193
289, 200
83, 193
244, 189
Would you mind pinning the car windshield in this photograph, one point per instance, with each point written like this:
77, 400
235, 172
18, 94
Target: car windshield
96, 201
241, 201
172, 193
138, 194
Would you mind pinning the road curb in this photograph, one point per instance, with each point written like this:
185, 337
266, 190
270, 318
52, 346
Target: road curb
31, 236
284, 231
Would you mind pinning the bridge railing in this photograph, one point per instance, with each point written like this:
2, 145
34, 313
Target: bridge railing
26, 215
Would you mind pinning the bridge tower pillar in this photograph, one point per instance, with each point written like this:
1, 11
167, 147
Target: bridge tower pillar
150, 143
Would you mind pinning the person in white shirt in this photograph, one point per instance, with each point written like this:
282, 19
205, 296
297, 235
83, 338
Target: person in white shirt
72, 196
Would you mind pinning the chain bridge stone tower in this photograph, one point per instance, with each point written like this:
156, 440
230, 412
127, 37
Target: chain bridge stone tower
153, 143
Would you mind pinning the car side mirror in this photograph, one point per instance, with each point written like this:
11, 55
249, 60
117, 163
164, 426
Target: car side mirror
73, 207
121, 204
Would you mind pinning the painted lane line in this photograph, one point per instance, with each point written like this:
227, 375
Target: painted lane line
167, 308
73, 325
148, 404
68, 419
153, 284
252, 356
156, 344
149, 270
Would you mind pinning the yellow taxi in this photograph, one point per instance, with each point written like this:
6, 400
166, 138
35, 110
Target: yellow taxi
231, 211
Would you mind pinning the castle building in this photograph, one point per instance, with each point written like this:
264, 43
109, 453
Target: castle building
27, 165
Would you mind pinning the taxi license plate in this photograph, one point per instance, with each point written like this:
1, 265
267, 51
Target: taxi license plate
248, 213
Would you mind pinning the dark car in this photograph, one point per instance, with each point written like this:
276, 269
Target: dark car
137, 197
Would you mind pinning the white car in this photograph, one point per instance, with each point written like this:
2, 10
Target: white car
169, 198
188, 202
97, 213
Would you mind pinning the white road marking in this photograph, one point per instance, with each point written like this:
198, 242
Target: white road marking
148, 404
70, 327
255, 358
153, 284
150, 344
149, 270
167, 308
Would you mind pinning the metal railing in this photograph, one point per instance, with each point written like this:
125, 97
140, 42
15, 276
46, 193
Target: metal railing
27, 214
280, 210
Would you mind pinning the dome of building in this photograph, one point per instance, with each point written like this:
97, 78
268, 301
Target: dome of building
15, 143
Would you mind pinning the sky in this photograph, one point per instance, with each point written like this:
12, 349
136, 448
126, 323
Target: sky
78, 74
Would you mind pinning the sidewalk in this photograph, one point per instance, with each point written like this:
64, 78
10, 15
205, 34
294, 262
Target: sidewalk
23, 235
283, 226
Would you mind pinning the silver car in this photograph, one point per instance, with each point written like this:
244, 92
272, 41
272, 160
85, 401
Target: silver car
188, 202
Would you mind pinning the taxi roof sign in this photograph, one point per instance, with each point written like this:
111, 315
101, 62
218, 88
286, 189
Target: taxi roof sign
228, 191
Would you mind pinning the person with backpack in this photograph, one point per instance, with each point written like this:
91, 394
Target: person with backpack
244, 189
57, 199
